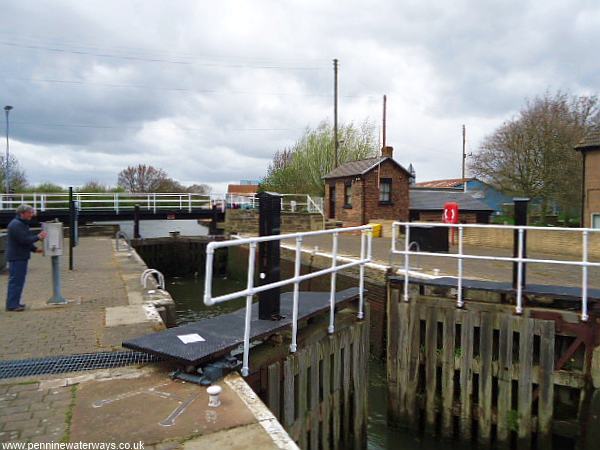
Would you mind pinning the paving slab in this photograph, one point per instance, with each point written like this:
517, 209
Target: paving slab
93, 288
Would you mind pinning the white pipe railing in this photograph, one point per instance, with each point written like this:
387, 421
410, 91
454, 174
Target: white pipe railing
126, 201
251, 290
158, 276
519, 259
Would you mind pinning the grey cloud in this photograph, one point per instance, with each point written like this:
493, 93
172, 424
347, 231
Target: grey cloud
441, 63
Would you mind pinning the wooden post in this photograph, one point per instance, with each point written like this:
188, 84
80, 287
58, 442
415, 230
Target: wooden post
136, 222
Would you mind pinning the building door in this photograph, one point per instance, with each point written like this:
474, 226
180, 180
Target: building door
332, 202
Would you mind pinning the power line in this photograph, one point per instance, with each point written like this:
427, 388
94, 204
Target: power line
45, 41
153, 60
121, 127
174, 89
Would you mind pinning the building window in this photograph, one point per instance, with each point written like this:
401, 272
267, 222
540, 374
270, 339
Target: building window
348, 194
385, 190
596, 220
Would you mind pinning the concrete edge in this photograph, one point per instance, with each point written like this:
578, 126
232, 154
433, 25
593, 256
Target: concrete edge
264, 416
144, 305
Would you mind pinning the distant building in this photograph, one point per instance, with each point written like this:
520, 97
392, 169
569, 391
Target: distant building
427, 205
489, 195
367, 190
590, 188
243, 189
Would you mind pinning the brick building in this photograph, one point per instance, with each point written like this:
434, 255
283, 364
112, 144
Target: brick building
367, 190
590, 189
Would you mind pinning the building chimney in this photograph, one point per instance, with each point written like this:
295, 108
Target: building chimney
387, 152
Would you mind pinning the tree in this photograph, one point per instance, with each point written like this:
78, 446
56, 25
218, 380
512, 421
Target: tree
18, 180
48, 187
199, 189
168, 184
141, 178
301, 167
532, 154
94, 186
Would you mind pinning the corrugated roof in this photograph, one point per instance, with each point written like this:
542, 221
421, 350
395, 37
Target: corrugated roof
449, 183
359, 167
242, 188
591, 139
423, 199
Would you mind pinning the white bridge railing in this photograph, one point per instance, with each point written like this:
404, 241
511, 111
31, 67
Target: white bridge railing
289, 202
151, 201
296, 279
520, 259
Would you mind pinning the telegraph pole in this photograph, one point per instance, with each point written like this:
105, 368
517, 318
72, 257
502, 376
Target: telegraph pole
335, 113
464, 156
7, 109
384, 128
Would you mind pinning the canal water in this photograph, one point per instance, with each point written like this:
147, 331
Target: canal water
187, 294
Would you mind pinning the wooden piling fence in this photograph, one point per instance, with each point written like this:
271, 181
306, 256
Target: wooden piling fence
454, 371
320, 392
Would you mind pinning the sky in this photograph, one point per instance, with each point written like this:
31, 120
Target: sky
209, 91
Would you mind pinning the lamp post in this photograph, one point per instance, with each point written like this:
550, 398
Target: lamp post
7, 109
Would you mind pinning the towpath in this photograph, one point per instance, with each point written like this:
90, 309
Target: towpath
95, 284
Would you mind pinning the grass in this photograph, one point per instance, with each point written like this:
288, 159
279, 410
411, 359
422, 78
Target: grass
69, 415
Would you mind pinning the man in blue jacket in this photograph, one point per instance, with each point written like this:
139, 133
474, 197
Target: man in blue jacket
19, 246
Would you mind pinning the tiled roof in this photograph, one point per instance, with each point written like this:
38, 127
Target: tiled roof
450, 183
359, 167
242, 188
423, 199
591, 139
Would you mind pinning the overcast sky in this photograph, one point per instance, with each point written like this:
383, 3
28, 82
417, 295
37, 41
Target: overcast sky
209, 90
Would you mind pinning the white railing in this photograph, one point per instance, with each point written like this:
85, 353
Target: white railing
289, 202
296, 279
152, 201
520, 259
158, 276
113, 201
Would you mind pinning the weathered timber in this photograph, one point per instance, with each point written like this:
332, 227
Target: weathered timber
484, 357
324, 384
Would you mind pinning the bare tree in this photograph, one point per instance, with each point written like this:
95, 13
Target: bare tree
18, 180
142, 178
532, 155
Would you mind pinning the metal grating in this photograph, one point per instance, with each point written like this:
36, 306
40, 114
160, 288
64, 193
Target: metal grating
72, 363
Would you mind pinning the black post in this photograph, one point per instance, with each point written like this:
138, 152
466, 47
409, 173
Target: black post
521, 205
71, 227
269, 223
136, 222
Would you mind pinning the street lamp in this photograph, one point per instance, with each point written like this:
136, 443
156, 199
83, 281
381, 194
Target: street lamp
7, 109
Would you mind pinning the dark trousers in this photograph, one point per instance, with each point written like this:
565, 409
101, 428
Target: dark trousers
17, 270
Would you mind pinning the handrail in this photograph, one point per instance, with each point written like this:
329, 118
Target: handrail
519, 259
152, 201
160, 278
250, 290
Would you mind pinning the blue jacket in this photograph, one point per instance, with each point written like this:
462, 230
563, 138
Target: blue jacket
20, 240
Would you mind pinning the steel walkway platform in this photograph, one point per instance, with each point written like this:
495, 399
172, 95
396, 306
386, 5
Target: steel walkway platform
223, 333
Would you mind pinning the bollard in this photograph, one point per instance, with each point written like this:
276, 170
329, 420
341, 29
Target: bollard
213, 396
